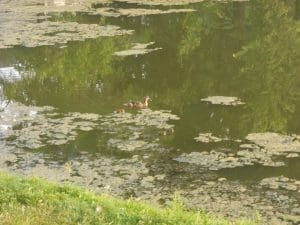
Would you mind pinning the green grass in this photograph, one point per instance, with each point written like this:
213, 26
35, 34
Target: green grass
32, 201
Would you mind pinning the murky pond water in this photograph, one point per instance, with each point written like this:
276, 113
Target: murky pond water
222, 128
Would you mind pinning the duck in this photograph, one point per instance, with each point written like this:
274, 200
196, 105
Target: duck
129, 104
139, 105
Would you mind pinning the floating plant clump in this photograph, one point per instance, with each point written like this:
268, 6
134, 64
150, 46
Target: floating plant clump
171, 2
215, 160
51, 33
112, 12
281, 182
35, 127
208, 138
117, 176
162, 2
24, 23
276, 143
265, 149
144, 117
130, 132
137, 49
223, 100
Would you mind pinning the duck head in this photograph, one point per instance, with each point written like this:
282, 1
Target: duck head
147, 99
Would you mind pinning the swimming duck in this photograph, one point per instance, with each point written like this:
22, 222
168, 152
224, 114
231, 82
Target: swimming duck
129, 104
139, 105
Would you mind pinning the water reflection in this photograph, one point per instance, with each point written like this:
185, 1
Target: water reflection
11, 74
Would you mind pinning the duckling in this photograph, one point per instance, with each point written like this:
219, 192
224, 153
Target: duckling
171, 130
121, 110
166, 131
139, 105
163, 132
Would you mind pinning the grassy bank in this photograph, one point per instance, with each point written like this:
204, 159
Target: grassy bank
37, 202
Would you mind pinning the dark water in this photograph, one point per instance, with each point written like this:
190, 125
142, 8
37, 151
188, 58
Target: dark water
248, 50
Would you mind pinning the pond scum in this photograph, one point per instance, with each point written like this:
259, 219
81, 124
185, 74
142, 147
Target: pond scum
34, 201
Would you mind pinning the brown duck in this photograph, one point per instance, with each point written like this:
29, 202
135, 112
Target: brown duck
139, 105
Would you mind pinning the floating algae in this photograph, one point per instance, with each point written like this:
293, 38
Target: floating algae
24, 22
265, 150
112, 12
51, 33
131, 132
208, 138
20, 26
215, 160
172, 2
162, 2
144, 117
137, 49
117, 176
223, 100
281, 183
36, 127
276, 143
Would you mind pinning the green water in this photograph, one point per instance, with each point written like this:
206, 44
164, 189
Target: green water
247, 50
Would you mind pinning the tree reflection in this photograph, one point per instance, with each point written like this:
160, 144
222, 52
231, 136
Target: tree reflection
249, 50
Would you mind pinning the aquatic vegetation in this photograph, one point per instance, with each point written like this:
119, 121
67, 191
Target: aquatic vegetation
51, 33
130, 132
162, 2
28, 32
215, 160
264, 150
223, 100
276, 143
137, 49
133, 12
128, 145
145, 117
20, 22
36, 127
208, 137
281, 182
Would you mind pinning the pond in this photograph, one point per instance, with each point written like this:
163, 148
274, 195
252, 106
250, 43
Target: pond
222, 129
